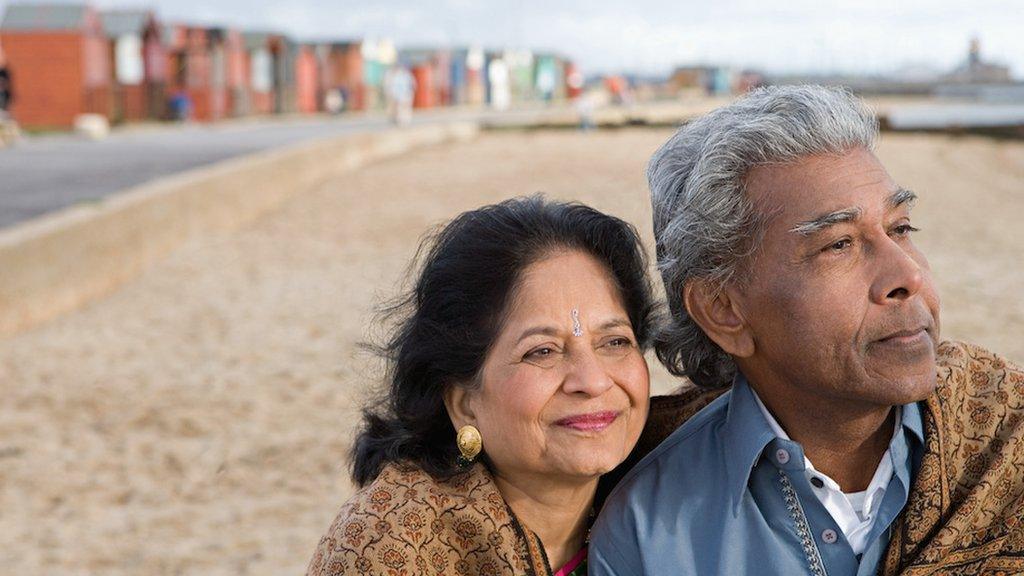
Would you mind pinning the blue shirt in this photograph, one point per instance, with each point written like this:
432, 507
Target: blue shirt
724, 495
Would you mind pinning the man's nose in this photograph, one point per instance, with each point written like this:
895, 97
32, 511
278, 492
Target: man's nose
899, 276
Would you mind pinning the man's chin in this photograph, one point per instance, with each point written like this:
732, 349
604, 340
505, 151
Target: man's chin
906, 389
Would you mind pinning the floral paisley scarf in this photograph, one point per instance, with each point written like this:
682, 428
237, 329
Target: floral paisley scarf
406, 523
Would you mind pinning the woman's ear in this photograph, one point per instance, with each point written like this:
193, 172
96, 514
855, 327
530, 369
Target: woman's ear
717, 311
458, 400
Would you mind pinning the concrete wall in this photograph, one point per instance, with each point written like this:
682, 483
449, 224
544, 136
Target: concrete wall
55, 264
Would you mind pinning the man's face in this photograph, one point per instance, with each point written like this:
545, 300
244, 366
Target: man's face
838, 300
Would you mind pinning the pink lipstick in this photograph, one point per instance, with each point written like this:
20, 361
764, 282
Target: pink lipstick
592, 422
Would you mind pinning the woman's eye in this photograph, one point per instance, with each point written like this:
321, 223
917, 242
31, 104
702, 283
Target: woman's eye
539, 353
542, 357
618, 346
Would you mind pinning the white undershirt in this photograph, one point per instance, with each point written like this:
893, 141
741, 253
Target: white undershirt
855, 512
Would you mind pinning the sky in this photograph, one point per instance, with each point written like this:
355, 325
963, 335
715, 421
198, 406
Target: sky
653, 36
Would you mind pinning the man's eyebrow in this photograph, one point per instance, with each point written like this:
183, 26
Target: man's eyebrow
901, 197
898, 198
825, 221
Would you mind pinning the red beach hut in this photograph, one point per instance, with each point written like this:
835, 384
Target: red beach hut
57, 54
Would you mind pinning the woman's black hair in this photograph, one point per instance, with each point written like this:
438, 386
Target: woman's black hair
448, 321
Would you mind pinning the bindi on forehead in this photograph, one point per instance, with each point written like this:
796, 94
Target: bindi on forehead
577, 329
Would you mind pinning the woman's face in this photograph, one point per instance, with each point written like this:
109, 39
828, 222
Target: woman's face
564, 389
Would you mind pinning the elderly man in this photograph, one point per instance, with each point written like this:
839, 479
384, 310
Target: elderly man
850, 440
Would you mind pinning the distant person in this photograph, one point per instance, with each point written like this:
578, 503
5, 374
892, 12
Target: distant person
6, 87
619, 90
334, 101
500, 86
847, 437
181, 106
516, 378
546, 82
586, 107
400, 89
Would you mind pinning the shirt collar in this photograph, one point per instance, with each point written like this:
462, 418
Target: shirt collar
746, 433
912, 421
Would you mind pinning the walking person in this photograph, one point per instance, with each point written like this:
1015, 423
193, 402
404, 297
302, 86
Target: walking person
400, 87
6, 89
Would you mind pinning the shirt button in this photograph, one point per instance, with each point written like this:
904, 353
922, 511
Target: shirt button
817, 482
829, 536
782, 455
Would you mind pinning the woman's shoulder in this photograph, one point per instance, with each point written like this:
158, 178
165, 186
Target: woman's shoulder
406, 520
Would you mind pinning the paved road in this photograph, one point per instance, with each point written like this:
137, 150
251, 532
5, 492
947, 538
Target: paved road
43, 174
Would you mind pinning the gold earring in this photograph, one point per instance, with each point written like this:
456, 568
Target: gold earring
469, 442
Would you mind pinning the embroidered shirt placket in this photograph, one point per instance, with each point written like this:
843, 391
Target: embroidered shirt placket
803, 529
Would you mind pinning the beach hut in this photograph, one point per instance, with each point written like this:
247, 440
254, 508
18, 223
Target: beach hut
520, 73
58, 57
476, 83
139, 65
549, 77
342, 72
378, 57
236, 73
228, 83
432, 69
574, 80
271, 58
424, 95
220, 45
457, 74
260, 73
286, 56
709, 80
307, 80
197, 86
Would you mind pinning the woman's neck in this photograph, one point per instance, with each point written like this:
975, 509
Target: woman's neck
557, 511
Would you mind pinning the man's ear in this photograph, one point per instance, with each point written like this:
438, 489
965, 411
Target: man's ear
718, 313
458, 399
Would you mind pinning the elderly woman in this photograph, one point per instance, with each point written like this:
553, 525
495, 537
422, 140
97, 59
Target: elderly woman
517, 379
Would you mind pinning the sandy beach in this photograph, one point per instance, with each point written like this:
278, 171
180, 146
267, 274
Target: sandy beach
197, 421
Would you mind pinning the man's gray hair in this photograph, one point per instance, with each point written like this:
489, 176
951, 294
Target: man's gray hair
704, 224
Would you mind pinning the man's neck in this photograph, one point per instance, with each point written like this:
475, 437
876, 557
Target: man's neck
843, 442
556, 512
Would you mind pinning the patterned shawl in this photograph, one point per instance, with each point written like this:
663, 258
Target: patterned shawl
406, 523
965, 512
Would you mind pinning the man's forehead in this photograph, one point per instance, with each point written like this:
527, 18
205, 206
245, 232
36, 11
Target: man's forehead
815, 186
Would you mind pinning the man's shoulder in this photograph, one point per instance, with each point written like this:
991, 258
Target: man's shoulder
687, 449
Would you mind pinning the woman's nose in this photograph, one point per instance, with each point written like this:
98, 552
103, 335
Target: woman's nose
587, 375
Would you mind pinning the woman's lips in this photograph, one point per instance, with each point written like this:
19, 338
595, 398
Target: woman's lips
592, 422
